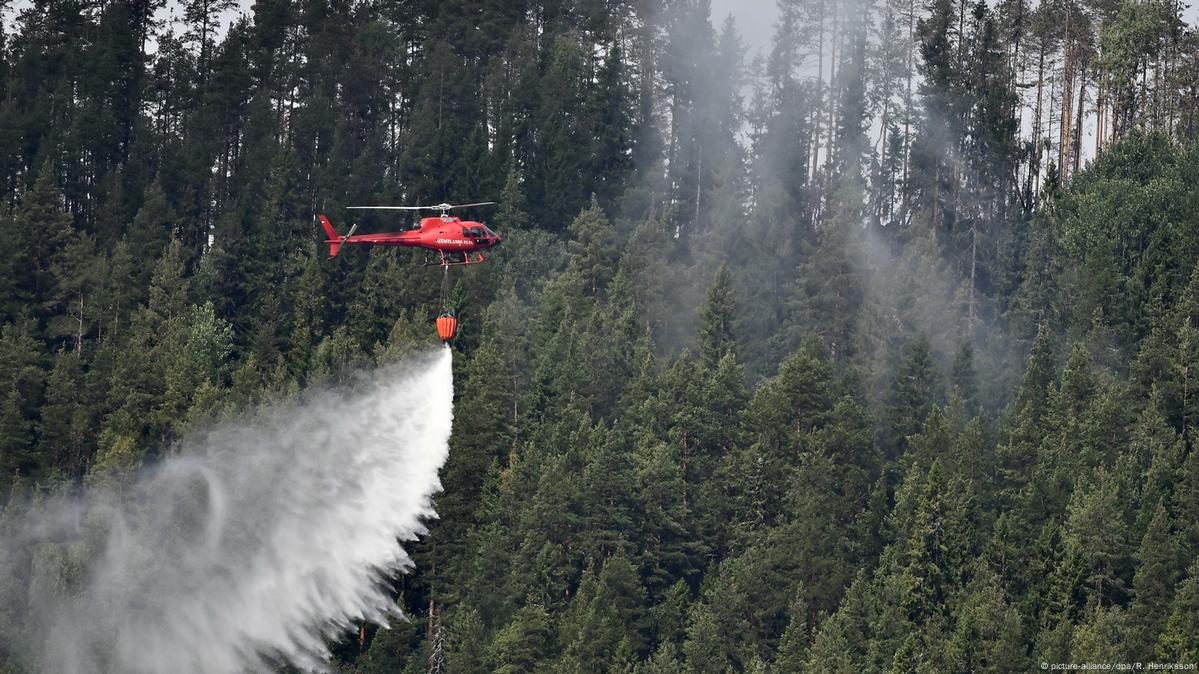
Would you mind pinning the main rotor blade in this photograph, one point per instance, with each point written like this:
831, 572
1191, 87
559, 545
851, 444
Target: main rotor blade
436, 207
478, 203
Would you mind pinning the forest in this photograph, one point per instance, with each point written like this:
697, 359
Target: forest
877, 351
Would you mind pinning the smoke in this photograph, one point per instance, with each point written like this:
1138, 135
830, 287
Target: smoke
250, 545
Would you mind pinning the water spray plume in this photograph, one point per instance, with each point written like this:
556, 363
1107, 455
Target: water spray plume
251, 545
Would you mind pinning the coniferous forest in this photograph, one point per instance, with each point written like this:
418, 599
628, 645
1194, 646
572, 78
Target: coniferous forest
877, 351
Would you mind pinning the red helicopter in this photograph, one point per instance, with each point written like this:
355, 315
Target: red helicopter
456, 241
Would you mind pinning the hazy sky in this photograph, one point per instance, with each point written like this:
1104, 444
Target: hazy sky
755, 21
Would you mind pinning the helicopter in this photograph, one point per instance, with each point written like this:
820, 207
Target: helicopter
454, 241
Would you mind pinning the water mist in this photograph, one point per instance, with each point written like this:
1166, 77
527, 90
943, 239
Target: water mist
251, 544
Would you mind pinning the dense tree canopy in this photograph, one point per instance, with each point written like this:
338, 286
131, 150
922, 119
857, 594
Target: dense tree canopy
876, 352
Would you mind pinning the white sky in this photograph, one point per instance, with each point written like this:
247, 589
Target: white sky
755, 21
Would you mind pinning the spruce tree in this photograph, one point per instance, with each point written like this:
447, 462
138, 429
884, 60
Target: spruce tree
17, 455
716, 336
1179, 642
46, 230
915, 390
1153, 585
65, 419
593, 248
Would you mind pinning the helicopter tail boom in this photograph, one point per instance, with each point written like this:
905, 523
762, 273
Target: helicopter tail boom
334, 240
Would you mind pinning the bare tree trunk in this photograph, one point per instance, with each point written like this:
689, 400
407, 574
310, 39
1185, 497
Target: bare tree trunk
1016, 67
961, 34
1144, 87
1036, 120
832, 94
936, 194
881, 152
1050, 116
1082, 99
1099, 117
1157, 94
1063, 151
1171, 59
973, 268
1186, 380
956, 177
79, 329
907, 102
816, 126
699, 181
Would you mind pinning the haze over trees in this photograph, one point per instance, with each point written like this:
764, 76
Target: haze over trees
846, 358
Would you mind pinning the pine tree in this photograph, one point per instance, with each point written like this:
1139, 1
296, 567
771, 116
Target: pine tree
77, 270
17, 455
38, 264
522, 643
716, 337
988, 634
963, 378
202, 18
666, 549
705, 650
914, 392
604, 619
610, 107
150, 231
593, 248
1180, 640
1096, 534
467, 642
378, 298
511, 213
65, 420
926, 568
1154, 583
556, 176
1038, 374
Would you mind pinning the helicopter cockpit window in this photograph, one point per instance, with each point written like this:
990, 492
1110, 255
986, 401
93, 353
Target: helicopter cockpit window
476, 231
465, 232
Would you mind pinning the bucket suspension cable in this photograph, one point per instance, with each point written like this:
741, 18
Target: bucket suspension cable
445, 288
447, 322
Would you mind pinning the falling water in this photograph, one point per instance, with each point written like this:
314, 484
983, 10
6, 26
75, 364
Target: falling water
252, 544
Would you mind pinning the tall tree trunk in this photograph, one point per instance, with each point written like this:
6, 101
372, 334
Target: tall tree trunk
907, 102
1034, 165
973, 269
79, 328
816, 126
833, 95
1050, 116
1157, 111
1082, 99
881, 153
936, 194
1015, 69
1099, 103
1063, 151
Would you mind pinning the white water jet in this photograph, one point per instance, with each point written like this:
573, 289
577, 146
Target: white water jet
249, 545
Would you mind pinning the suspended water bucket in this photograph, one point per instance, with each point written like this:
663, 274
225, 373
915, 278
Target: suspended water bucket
447, 326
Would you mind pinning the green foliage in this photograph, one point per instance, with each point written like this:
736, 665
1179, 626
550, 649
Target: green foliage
853, 374
716, 336
523, 642
914, 392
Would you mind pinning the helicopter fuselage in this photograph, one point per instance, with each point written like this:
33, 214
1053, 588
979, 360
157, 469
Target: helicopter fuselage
453, 238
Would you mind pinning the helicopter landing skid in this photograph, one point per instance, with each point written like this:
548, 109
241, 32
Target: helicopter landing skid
452, 260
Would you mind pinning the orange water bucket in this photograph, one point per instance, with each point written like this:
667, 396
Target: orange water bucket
447, 326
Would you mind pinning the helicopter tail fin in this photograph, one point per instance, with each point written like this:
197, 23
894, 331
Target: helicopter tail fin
334, 240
